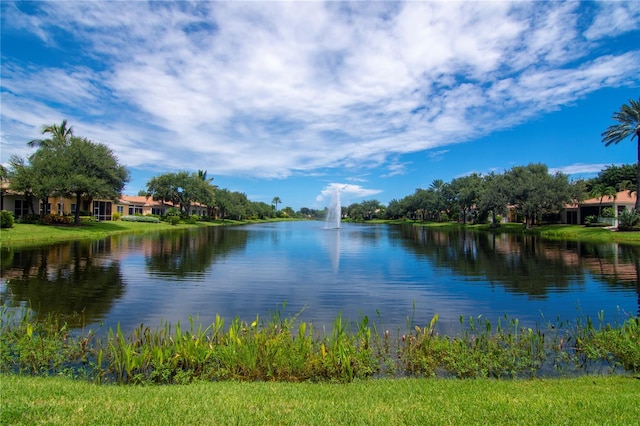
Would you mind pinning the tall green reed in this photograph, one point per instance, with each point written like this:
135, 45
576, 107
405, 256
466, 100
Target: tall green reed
286, 349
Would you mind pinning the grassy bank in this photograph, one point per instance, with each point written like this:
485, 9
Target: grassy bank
25, 235
553, 232
579, 401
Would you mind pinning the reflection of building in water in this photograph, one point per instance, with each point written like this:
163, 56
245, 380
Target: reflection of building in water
55, 261
76, 280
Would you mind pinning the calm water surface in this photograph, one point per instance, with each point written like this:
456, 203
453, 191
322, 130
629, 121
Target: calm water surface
392, 274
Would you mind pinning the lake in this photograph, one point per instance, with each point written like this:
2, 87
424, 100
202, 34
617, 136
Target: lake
397, 275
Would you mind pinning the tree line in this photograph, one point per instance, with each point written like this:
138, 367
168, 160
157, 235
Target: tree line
534, 194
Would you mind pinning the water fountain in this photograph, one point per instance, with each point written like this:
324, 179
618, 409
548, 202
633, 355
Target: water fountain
335, 210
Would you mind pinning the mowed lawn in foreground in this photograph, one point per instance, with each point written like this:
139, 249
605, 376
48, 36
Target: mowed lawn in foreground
587, 400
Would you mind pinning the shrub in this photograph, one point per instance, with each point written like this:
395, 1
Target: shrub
608, 212
30, 218
591, 219
628, 219
6, 219
173, 220
88, 219
116, 216
134, 218
193, 219
56, 219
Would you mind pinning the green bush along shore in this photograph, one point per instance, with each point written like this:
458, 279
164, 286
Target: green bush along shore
284, 349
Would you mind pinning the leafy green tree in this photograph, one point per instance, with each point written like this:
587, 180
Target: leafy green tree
22, 179
239, 205
182, 189
289, 212
222, 202
466, 193
628, 125
206, 191
493, 197
260, 210
369, 208
74, 167
394, 210
91, 171
533, 191
615, 175
421, 204
355, 211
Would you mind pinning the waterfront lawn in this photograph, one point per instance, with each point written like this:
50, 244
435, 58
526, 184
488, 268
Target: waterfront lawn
23, 235
556, 232
585, 401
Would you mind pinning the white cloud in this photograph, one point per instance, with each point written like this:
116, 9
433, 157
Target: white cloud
348, 192
283, 88
614, 18
579, 168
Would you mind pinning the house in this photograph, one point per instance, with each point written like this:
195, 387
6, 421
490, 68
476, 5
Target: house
576, 213
15, 202
136, 204
18, 204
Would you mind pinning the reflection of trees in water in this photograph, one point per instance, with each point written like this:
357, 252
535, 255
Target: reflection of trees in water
189, 254
67, 279
525, 263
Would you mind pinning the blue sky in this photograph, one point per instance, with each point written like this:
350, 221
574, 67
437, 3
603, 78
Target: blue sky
290, 99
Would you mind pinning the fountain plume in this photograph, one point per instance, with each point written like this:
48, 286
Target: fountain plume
335, 210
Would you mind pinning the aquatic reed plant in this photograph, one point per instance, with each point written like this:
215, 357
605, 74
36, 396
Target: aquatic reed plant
39, 347
286, 349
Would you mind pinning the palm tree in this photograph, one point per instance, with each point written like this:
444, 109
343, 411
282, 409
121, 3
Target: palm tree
438, 186
627, 185
276, 201
600, 191
628, 119
59, 134
202, 175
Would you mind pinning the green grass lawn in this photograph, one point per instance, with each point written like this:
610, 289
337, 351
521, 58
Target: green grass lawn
579, 401
23, 235
555, 232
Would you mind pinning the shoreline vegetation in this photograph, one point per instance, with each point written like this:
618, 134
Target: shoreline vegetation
284, 349
29, 235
